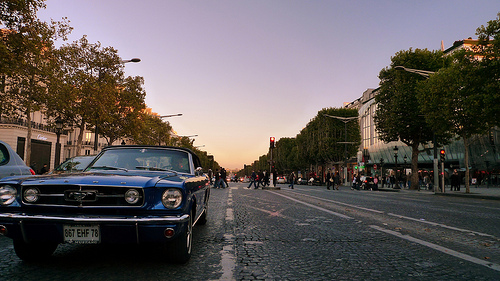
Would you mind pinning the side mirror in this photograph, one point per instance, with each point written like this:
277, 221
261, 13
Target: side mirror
198, 172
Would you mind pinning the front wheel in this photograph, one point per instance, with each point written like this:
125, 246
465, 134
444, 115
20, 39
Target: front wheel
181, 247
33, 251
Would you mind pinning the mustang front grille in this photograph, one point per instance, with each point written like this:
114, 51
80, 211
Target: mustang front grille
80, 196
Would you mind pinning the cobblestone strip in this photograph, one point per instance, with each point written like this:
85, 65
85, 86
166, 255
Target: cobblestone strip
451, 252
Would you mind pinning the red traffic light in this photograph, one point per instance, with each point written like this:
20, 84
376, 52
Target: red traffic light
271, 142
442, 153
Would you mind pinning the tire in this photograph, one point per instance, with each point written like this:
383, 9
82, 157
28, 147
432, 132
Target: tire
180, 248
34, 251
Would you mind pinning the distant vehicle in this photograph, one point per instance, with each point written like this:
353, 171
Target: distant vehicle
128, 194
281, 179
11, 164
74, 165
369, 183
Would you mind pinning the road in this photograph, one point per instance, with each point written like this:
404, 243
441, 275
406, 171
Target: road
308, 233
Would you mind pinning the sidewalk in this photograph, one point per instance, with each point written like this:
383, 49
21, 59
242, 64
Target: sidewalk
479, 192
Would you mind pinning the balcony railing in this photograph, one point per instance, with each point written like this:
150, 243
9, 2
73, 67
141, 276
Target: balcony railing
22, 122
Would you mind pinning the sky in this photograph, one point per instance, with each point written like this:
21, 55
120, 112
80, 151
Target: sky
243, 71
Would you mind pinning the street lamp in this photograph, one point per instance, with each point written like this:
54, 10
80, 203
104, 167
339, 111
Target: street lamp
96, 131
130, 60
171, 115
59, 127
426, 74
345, 120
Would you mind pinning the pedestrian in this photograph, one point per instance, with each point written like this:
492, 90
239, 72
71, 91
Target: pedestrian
336, 180
455, 181
210, 176
223, 175
260, 178
253, 180
265, 179
329, 180
218, 180
292, 180
44, 169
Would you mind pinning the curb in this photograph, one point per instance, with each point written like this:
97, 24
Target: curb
469, 195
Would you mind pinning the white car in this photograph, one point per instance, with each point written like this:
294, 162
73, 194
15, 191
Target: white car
281, 179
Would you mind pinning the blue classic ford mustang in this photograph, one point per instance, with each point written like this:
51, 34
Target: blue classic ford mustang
128, 194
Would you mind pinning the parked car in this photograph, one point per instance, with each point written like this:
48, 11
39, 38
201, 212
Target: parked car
11, 164
74, 165
128, 194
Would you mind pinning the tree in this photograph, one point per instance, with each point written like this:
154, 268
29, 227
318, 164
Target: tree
88, 89
122, 115
456, 101
27, 47
320, 142
151, 130
465, 100
398, 115
489, 51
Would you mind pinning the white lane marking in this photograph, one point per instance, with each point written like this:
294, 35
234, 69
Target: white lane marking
228, 258
314, 206
441, 225
442, 249
403, 217
344, 204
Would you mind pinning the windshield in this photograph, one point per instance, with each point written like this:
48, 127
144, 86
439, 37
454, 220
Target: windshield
144, 159
75, 164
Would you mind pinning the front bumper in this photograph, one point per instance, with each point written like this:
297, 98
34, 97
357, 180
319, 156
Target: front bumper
113, 229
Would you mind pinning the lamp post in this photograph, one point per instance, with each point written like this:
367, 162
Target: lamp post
426, 74
382, 169
59, 126
396, 165
404, 168
345, 120
96, 130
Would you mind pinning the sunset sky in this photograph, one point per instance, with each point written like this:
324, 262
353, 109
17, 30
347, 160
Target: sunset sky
242, 71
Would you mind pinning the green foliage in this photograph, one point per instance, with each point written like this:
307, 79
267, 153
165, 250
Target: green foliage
454, 100
489, 50
398, 115
318, 142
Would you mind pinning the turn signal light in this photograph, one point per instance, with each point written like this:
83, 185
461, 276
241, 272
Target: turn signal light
169, 232
3, 230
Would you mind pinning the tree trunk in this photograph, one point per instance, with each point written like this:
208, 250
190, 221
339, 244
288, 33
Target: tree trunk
27, 151
414, 167
80, 139
466, 163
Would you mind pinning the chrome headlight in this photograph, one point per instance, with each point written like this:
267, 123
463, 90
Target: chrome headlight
31, 195
171, 198
7, 194
132, 196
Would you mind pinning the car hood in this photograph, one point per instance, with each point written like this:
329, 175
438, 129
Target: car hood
112, 178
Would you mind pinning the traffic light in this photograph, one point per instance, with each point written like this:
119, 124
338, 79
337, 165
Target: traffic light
442, 154
271, 142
